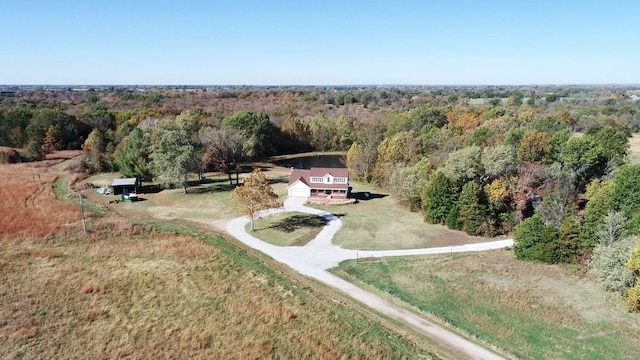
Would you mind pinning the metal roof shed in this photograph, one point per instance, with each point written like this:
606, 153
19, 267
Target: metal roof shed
125, 186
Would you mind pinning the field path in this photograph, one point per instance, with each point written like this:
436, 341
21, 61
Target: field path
321, 254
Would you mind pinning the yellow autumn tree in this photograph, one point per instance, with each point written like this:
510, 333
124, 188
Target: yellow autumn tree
632, 297
256, 194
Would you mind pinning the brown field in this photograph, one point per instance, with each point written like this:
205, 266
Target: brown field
26, 194
130, 290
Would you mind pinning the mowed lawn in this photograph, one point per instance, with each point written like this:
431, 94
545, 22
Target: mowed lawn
532, 311
379, 223
204, 203
287, 229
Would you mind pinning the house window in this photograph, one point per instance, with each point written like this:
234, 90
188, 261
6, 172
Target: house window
340, 180
316, 179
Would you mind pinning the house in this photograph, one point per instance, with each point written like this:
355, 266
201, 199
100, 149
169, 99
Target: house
319, 182
125, 186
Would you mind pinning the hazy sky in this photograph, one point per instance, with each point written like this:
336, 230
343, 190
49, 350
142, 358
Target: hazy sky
319, 42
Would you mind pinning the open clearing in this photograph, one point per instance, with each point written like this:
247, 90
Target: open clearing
533, 311
634, 149
375, 224
379, 223
155, 291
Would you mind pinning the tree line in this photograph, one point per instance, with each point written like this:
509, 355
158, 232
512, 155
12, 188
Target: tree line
549, 167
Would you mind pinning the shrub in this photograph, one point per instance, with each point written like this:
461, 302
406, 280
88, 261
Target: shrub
609, 261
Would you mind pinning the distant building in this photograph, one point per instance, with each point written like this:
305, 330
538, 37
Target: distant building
319, 182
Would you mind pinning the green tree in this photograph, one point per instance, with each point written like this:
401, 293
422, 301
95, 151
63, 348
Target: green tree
534, 241
133, 156
598, 205
569, 246
626, 190
585, 157
424, 117
258, 131
497, 161
471, 208
256, 194
438, 198
463, 165
613, 141
171, 153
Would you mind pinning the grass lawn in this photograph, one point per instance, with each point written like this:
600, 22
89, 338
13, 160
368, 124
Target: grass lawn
530, 310
381, 224
288, 229
205, 202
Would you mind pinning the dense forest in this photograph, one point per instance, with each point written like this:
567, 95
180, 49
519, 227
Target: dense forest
548, 164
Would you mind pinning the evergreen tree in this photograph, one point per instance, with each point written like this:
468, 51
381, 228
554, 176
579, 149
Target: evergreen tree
438, 199
471, 212
133, 157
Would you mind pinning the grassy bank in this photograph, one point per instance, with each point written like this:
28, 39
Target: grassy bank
533, 311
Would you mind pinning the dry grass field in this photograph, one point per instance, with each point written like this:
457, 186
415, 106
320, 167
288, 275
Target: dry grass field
144, 290
634, 149
533, 311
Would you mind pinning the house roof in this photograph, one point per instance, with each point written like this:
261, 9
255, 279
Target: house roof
304, 177
335, 172
124, 182
301, 175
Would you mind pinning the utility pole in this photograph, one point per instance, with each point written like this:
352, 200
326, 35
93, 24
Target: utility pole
84, 225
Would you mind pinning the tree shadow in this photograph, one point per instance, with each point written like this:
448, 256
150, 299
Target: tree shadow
149, 189
212, 187
366, 196
296, 222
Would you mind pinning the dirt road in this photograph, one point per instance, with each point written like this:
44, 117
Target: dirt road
321, 254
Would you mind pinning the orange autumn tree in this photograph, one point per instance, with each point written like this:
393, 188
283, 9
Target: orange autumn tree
256, 194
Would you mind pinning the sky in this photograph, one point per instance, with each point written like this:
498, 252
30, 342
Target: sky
319, 42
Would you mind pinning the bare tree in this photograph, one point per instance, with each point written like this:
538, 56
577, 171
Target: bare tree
223, 149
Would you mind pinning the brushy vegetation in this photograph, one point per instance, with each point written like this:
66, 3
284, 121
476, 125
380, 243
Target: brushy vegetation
147, 290
531, 310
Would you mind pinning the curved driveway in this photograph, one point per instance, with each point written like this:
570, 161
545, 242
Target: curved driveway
320, 254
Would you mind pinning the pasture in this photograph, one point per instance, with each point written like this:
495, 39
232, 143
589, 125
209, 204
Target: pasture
145, 290
533, 311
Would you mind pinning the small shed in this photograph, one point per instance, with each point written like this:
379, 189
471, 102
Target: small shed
125, 186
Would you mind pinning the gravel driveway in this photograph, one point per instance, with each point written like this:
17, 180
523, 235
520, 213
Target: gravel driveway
321, 254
